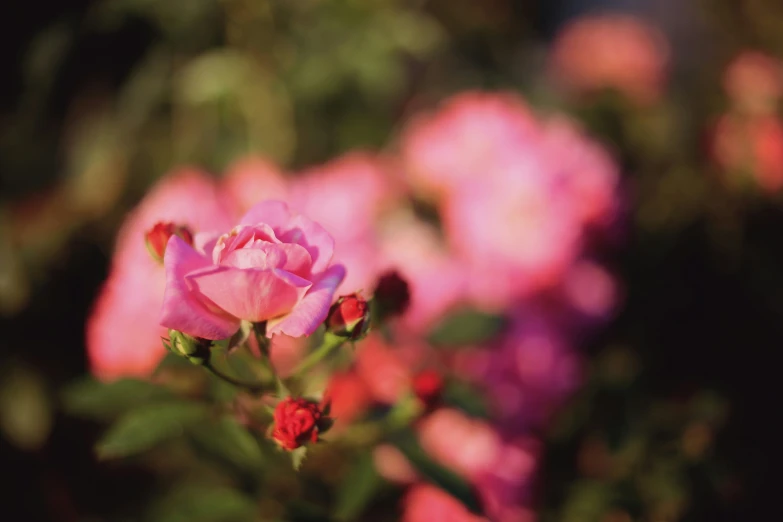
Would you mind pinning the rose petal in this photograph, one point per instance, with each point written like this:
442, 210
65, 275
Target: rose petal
312, 311
182, 309
251, 294
313, 237
273, 213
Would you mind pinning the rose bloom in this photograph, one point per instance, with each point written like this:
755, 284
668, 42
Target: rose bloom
123, 332
754, 82
517, 197
611, 51
296, 423
274, 267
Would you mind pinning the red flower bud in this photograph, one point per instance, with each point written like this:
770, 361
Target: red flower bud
158, 236
297, 421
349, 317
392, 295
427, 386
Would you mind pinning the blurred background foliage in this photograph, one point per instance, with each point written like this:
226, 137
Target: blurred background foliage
100, 98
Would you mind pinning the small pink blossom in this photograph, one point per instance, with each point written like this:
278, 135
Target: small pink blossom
612, 51
754, 82
274, 266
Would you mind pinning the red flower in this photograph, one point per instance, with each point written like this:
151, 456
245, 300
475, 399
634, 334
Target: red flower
349, 317
427, 386
297, 421
158, 237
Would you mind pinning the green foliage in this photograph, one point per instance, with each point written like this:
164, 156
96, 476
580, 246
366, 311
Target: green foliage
230, 442
466, 327
147, 426
190, 502
95, 399
357, 489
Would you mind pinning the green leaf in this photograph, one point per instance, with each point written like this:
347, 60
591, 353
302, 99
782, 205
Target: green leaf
297, 457
442, 477
466, 327
231, 442
147, 426
467, 398
357, 489
90, 398
203, 503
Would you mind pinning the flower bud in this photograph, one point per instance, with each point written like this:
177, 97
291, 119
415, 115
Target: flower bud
195, 350
349, 317
158, 236
428, 386
297, 422
392, 295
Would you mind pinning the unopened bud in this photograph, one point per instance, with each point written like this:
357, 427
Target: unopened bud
158, 237
392, 295
428, 386
195, 350
349, 317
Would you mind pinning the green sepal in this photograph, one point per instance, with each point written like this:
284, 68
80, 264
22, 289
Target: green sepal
297, 457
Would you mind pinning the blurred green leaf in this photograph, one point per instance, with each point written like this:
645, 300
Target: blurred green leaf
230, 441
467, 398
145, 427
90, 398
25, 409
357, 489
466, 327
442, 477
203, 503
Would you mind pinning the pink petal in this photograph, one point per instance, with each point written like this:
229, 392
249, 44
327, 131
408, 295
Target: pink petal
313, 237
311, 312
272, 213
266, 256
183, 309
251, 294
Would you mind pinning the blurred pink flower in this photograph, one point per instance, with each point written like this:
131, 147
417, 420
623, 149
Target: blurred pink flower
437, 280
348, 396
750, 147
611, 51
385, 370
251, 180
471, 134
468, 446
393, 465
123, 332
274, 266
754, 82
427, 503
517, 196
590, 290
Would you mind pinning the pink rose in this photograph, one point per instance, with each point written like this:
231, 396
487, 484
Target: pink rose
273, 266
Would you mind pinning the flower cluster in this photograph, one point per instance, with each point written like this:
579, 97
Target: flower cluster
519, 207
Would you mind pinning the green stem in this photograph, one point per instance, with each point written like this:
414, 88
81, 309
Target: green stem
330, 343
253, 387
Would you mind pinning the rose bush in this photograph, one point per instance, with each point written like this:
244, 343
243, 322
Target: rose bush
274, 266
